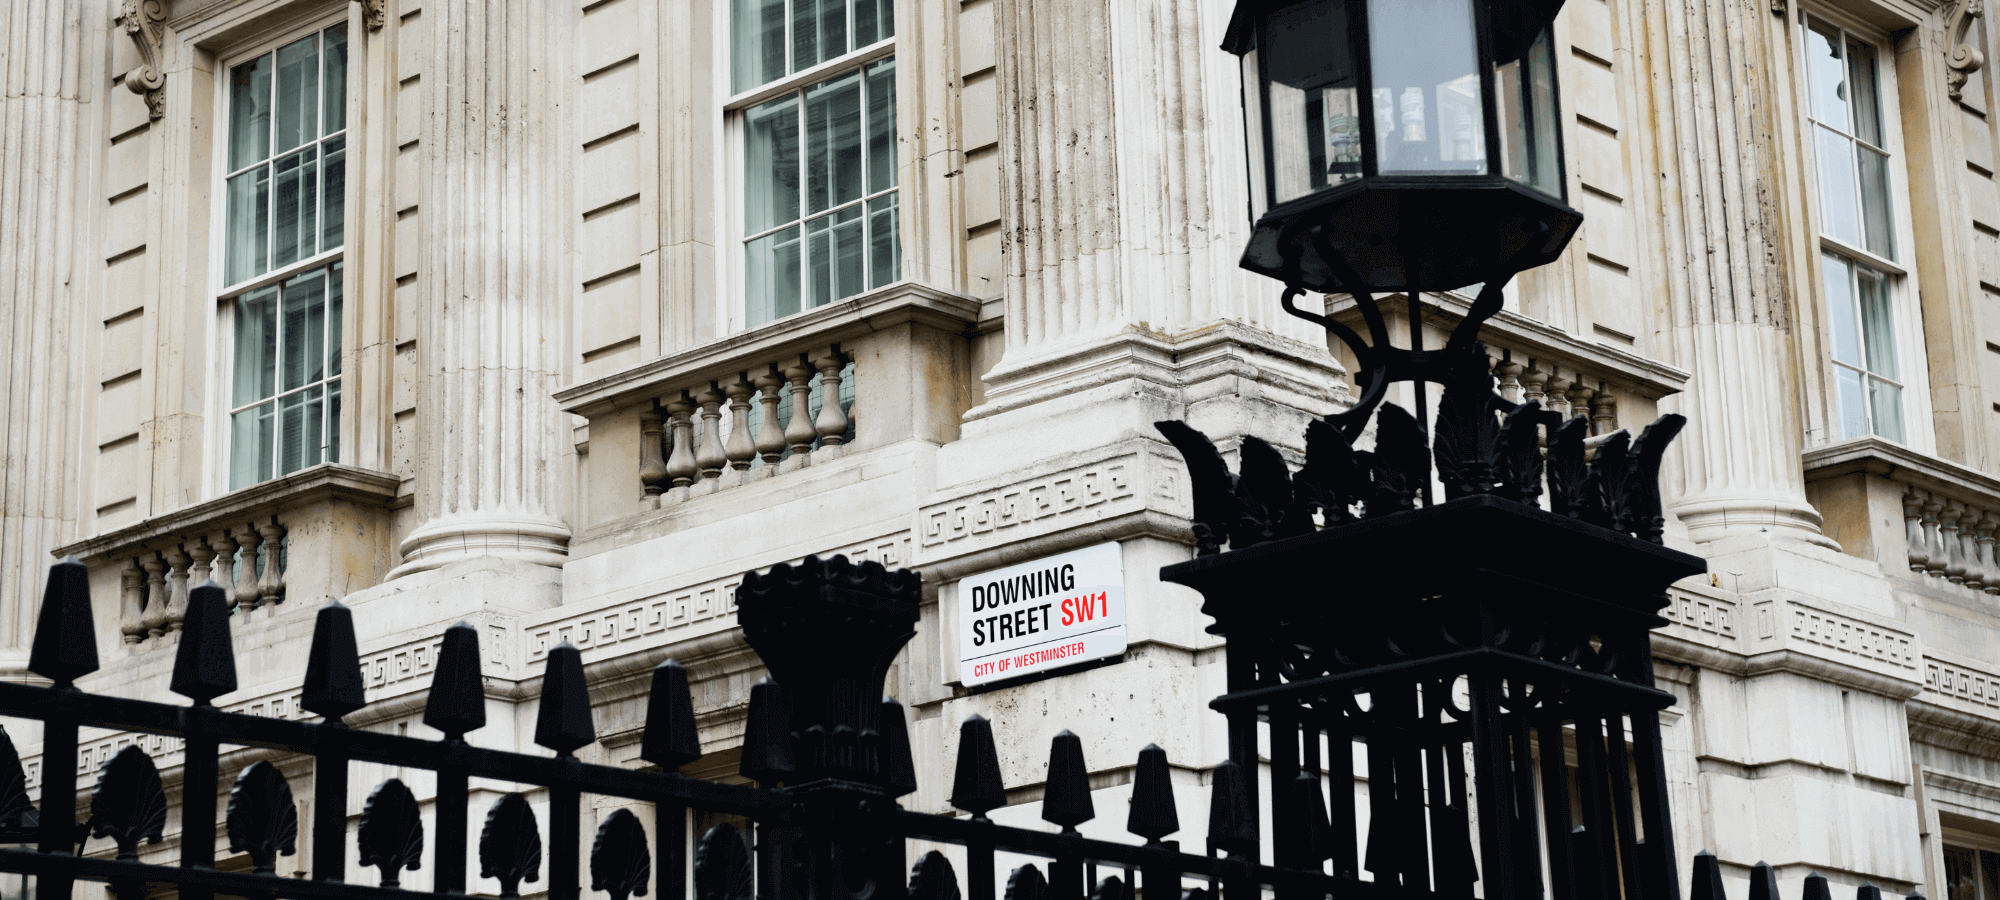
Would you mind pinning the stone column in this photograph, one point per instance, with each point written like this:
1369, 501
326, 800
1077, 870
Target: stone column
1714, 96
495, 472
44, 118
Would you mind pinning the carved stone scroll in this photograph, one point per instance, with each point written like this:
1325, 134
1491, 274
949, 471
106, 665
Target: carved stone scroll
1965, 58
143, 23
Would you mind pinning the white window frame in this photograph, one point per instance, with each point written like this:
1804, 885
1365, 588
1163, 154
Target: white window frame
1901, 274
733, 272
222, 295
1950, 836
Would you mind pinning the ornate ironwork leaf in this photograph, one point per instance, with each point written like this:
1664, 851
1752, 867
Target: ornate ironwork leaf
18, 817
1400, 463
1112, 888
620, 864
1566, 468
1270, 508
722, 866
1604, 488
1216, 505
1643, 515
129, 804
510, 846
1517, 452
392, 831
1466, 427
263, 820
1027, 883
933, 879
1332, 480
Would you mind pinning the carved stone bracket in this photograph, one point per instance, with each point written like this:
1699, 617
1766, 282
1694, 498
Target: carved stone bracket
374, 13
1965, 59
142, 20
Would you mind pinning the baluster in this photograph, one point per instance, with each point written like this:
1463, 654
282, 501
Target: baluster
652, 465
1982, 542
1913, 529
132, 602
177, 587
832, 422
770, 434
155, 616
203, 556
708, 453
1935, 560
680, 463
1579, 401
739, 449
1954, 563
1509, 373
799, 430
1534, 385
1604, 411
271, 585
246, 580
1558, 394
225, 564
1968, 549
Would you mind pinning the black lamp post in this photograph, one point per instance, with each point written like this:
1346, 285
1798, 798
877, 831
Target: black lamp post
1401, 144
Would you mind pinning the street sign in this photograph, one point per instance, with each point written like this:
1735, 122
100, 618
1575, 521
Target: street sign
1047, 614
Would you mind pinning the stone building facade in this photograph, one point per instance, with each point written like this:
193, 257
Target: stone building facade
502, 312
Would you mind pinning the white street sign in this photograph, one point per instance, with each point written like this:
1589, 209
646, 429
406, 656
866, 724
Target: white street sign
1054, 612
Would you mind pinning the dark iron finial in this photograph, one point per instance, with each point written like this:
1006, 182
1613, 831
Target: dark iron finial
391, 836
510, 845
262, 821
205, 663
1707, 878
1763, 882
620, 864
129, 804
1232, 813
1027, 883
457, 702
899, 765
1867, 891
1153, 815
1066, 799
564, 722
932, 878
18, 817
671, 740
977, 788
767, 735
65, 646
1318, 837
1816, 888
333, 667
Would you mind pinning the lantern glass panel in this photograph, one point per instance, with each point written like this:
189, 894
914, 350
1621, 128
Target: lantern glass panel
1429, 117
1526, 89
1314, 114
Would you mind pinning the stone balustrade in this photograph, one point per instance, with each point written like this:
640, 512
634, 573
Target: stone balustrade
754, 424
310, 537
1928, 520
1951, 540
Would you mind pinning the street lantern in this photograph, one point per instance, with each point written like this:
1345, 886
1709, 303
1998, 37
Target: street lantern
1401, 144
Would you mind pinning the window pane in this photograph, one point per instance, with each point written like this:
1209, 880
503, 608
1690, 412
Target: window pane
301, 430
333, 421
303, 306
1429, 118
771, 270
1851, 417
247, 251
833, 142
333, 303
1961, 876
256, 346
819, 32
250, 437
1867, 108
881, 126
1826, 74
1875, 201
298, 93
334, 113
1840, 309
874, 20
885, 245
1878, 330
1885, 406
771, 185
333, 190
294, 229
250, 112
1839, 209
756, 43
834, 247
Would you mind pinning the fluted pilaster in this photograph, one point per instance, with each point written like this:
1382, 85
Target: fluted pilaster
1712, 91
496, 473
43, 60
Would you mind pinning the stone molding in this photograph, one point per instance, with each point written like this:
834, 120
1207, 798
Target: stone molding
1790, 633
1876, 456
1960, 684
319, 484
814, 329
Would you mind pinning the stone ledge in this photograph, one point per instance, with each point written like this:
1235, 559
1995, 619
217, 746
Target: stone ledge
329, 481
811, 330
1879, 457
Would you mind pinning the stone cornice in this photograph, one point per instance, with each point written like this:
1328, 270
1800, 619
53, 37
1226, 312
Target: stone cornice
811, 330
318, 484
1879, 457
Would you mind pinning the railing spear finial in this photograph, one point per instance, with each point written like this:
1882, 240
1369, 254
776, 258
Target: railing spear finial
333, 666
65, 646
457, 702
205, 662
977, 787
1066, 801
671, 739
564, 722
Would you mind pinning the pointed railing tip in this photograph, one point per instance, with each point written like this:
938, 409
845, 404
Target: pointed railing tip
671, 739
1706, 883
1066, 798
976, 786
205, 661
1153, 815
65, 642
333, 666
564, 722
1232, 814
457, 702
899, 764
767, 735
